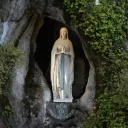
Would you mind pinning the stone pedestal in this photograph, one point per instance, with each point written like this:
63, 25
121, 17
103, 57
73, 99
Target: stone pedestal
63, 115
63, 100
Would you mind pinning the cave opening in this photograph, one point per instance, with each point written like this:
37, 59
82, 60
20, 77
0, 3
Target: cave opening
48, 34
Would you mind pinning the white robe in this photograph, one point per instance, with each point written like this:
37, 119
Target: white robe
62, 70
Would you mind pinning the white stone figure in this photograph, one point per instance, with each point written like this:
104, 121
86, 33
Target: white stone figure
62, 68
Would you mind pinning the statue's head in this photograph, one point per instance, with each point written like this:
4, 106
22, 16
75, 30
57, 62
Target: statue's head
63, 33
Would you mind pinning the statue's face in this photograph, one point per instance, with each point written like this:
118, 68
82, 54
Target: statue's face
63, 33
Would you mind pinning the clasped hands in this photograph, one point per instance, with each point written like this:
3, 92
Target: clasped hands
62, 50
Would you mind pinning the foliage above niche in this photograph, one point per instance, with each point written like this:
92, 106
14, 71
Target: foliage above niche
105, 28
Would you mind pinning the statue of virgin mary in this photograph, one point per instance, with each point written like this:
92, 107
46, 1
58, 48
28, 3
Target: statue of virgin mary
62, 68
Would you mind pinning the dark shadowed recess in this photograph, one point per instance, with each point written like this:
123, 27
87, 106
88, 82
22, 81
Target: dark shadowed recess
47, 35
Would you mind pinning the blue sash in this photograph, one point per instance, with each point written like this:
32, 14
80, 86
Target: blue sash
62, 71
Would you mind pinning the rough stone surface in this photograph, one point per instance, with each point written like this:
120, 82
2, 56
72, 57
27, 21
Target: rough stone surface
37, 94
2, 123
11, 21
12, 10
86, 102
19, 74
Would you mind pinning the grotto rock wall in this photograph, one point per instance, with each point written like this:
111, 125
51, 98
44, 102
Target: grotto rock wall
20, 22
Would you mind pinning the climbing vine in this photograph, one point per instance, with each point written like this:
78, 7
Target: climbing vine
105, 28
9, 55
